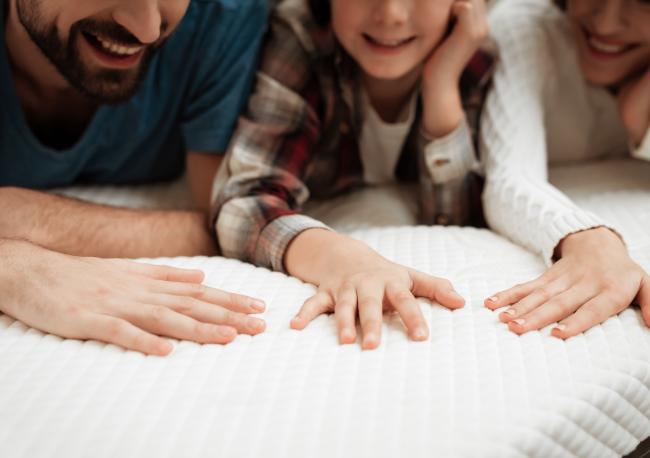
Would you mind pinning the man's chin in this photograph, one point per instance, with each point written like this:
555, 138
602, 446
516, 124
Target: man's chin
112, 88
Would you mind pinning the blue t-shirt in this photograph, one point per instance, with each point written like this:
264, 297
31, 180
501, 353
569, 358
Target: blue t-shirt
189, 100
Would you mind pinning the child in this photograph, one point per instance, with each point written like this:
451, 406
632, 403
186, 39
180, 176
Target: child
573, 85
352, 93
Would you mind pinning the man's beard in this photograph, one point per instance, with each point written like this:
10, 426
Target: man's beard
108, 86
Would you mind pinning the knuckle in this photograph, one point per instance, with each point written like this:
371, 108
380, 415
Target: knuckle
201, 330
199, 290
114, 329
185, 305
543, 293
157, 315
372, 324
403, 296
368, 303
592, 315
140, 341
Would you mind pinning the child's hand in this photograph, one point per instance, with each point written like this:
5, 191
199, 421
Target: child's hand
634, 106
356, 281
443, 110
594, 280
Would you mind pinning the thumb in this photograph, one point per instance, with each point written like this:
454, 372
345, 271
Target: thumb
435, 289
643, 299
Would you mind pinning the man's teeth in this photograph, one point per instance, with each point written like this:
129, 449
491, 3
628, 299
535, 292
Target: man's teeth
118, 49
606, 47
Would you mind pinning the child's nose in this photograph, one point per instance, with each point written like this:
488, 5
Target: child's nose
142, 18
609, 16
391, 12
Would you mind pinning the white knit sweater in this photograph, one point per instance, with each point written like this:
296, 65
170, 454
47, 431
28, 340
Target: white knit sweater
541, 112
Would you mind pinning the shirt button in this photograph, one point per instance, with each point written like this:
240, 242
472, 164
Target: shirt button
442, 219
344, 128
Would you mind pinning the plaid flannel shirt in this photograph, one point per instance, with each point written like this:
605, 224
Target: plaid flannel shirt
299, 138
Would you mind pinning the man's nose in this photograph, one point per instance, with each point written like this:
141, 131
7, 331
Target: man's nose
142, 18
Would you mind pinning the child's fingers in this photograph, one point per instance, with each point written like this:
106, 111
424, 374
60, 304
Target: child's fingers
346, 312
319, 303
644, 299
436, 289
369, 303
409, 310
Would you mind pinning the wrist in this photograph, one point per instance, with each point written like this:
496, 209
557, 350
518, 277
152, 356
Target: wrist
316, 254
597, 239
442, 111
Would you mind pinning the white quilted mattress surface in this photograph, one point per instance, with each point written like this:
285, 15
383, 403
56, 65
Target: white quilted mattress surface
474, 389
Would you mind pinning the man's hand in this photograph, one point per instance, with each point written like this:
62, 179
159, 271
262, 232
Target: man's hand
353, 280
634, 106
117, 301
594, 280
443, 109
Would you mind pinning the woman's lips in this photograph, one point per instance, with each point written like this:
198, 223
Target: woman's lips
602, 48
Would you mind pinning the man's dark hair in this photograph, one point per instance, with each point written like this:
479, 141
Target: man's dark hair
321, 11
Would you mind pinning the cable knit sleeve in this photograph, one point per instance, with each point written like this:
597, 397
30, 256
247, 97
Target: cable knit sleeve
518, 200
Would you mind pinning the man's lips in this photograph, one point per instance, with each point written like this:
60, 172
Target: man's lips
114, 54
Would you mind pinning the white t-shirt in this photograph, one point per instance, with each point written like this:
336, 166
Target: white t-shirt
381, 143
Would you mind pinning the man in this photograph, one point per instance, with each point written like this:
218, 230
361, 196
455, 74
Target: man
119, 92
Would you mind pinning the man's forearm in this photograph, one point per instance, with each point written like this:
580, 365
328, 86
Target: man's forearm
85, 229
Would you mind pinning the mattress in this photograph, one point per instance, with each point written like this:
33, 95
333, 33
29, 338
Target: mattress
473, 389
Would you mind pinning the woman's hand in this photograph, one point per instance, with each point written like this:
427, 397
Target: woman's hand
354, 280
634, 106
443, 109
594, 280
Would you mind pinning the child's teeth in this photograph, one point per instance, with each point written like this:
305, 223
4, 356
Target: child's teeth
605, 47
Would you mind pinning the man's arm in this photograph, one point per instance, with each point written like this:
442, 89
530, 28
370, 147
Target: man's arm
84, 229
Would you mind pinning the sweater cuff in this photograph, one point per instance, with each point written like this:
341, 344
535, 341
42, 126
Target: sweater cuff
451, 157
566, 225
643, 151
276, 237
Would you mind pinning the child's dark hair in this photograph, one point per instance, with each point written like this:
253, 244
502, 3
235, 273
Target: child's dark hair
561, 4
321, 11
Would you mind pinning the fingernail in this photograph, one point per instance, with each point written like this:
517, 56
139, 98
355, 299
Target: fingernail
419, 334
511, 311
370, 341
347, 336
519, 321
561, 327
226, 332
258, 305
493, 299
255, 325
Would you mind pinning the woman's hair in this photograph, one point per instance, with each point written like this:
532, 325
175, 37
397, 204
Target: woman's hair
320, 9
561, 3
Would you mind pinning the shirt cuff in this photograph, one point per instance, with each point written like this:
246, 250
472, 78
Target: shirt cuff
451, 157
643, 151
566, 225
276, 237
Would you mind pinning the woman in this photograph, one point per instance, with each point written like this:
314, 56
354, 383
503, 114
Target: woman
573, 85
